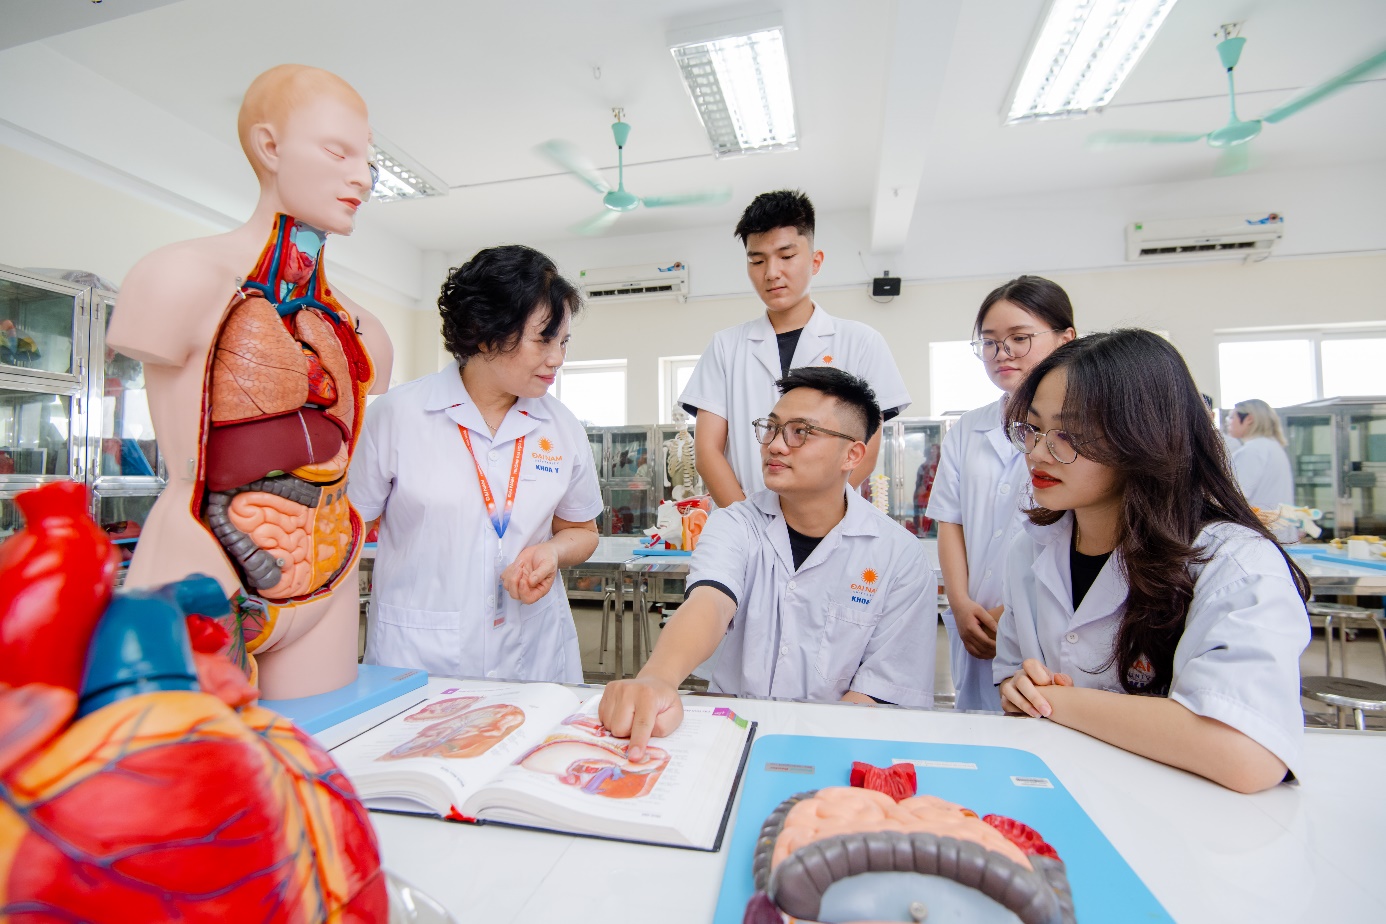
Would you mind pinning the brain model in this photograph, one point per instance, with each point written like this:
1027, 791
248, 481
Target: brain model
844, 854
138, 782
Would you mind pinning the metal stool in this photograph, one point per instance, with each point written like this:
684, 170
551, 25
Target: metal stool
1341, 693
1346, 618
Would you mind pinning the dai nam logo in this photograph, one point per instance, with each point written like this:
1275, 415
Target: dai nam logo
864, 591
545, 459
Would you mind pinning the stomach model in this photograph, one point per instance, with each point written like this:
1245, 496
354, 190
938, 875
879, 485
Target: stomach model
286, 385
844, 854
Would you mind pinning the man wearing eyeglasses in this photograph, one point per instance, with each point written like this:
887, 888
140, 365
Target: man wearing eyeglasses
804, 590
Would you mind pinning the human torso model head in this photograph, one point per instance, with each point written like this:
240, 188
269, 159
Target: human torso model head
257, 373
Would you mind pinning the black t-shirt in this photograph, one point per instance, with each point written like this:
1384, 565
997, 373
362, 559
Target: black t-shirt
1082, 571
801, 546
788, 341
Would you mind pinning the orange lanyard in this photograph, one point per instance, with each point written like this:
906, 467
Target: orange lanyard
500, 518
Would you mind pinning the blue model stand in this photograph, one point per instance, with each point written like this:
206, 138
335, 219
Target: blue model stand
1001, 781
373, 686
664, 552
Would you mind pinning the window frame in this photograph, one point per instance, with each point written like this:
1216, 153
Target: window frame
668, 372
1316, 335
597, 365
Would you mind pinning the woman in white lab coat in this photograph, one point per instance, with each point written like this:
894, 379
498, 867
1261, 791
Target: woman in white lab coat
1143, 571
1260, 463
976, 491
485, 485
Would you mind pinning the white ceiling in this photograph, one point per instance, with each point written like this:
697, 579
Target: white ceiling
468, 89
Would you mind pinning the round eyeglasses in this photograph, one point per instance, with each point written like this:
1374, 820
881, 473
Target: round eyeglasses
796, 432
1016, 345
1061, 444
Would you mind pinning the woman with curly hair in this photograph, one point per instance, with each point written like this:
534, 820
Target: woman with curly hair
1142, 570
484, 485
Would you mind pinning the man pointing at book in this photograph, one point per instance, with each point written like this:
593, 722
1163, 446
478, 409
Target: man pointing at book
804, 590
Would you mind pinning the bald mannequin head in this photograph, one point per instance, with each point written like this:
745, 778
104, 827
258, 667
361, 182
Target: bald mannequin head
279, 91
305, 132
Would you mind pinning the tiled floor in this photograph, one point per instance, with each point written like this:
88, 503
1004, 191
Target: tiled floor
1365, 661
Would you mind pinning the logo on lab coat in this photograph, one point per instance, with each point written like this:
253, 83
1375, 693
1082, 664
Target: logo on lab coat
863, 591
827, 359
545, 459
1141, 673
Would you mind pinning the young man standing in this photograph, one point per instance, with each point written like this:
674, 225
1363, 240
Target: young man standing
734, 382
811, 592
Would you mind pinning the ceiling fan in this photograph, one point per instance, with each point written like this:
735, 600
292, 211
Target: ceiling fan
566, 155
1232, 138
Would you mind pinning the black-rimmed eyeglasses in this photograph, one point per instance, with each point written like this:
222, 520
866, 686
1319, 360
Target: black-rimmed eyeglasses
796, 432
1016, 345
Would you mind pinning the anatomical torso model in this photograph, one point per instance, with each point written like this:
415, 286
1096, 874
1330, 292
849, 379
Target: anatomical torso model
257, 373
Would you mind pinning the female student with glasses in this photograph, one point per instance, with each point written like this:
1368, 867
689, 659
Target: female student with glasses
977, 488
1142, 570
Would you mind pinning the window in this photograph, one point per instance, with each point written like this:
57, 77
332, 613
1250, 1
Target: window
595, 391
957, 379
1354, 366
1291, 369
1279, 372
674, 373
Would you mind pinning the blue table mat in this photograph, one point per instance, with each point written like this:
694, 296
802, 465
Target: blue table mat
988, 780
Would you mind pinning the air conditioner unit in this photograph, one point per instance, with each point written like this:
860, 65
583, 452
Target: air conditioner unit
628, 283
1246, 237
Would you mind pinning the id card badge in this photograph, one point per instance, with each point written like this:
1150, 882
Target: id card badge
498, 616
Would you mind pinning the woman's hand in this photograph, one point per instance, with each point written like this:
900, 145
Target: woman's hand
1020, 694
529, 577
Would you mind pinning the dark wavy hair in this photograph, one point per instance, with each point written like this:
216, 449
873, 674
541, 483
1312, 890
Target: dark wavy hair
1043, 298
1130, 392
783, 208
488, 300
844, 387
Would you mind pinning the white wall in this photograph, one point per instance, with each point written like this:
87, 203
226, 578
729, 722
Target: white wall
1191, 302
54, 217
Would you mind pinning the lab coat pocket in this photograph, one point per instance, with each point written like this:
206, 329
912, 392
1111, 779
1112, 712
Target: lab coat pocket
846, 631
433, 640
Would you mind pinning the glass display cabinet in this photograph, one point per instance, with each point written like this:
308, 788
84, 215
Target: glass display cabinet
1337, 449
626, 472
909, 456
71, 408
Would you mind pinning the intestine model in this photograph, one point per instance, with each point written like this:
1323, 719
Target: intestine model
820, 855
680, 460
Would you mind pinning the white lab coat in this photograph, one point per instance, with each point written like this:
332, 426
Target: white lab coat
815, 633
435, 603
735, 377
980, 485
1237, 661
1263, 470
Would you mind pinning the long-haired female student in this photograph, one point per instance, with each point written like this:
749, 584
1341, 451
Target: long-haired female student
1144, 571
977, 486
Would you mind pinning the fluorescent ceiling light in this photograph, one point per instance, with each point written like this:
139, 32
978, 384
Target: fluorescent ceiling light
400, 176
1082, 54
740, 86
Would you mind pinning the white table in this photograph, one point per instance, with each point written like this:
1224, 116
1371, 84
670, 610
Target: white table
1307, 852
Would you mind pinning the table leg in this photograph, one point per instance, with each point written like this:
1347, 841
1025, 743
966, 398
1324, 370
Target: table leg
1328, 646
619, 670
638, 587
1380, 634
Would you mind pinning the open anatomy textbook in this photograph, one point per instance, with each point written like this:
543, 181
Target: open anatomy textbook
534, 755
